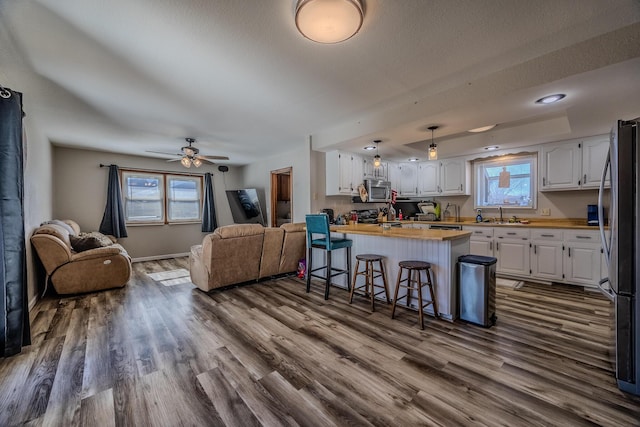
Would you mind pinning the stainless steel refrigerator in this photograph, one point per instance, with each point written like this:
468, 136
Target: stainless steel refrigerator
621, 248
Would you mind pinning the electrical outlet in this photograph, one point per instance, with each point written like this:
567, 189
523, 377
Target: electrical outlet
545, 212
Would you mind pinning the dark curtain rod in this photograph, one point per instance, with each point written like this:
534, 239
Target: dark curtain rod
152, 170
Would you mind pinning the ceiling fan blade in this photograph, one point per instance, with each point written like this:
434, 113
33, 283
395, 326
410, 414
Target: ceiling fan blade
214, 157
174, 160
163, 152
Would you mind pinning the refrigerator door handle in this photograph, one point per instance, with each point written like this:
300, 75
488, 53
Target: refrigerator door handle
606, 246
606, 292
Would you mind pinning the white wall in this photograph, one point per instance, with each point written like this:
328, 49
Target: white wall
258, 175
80, 186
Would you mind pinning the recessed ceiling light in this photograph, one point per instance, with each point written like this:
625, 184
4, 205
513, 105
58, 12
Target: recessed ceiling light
483, 128
491, 147
550, 99
369, 147
413, 159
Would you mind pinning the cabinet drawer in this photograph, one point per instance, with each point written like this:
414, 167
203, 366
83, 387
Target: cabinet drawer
550, 234
584, 236
511, 233
480, 231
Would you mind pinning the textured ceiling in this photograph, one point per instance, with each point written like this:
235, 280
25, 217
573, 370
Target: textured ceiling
130, 76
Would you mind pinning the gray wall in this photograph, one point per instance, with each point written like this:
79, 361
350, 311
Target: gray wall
80, 186
258, 175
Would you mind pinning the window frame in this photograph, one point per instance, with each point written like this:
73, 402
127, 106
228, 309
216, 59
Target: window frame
165, 178
480, 188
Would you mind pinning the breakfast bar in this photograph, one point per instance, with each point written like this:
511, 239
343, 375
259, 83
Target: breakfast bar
441, 248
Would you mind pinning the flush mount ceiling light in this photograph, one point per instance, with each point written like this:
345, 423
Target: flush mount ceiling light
433, 148
369, 147
550, 99
329, 21
491, 147
413, 159
482, 129
377, 160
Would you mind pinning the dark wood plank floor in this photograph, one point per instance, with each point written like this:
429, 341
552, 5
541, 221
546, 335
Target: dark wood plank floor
270, 354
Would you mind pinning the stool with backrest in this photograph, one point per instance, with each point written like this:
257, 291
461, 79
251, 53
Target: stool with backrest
319, 237
414, 283
370, 274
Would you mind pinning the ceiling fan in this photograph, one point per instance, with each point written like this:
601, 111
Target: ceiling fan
189, 155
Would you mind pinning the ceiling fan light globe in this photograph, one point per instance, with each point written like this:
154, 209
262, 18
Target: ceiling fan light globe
188, 151
197, 162
186, 162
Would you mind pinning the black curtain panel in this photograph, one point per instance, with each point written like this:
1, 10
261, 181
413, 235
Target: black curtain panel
113, 220
209, 222
14, 309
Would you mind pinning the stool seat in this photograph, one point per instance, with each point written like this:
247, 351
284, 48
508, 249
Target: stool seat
414, 282
414, 265
369, 257
370, 273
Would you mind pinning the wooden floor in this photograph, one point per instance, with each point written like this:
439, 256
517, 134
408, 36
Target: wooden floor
270, 354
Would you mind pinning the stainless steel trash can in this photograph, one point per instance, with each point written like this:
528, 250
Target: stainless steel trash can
477, 280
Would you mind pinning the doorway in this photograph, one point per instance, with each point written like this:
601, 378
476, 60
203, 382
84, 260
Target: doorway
281, 200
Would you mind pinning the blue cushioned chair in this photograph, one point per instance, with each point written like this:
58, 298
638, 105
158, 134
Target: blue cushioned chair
319, 237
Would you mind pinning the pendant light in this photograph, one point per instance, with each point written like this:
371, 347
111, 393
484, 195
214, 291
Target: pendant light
377, 160
433, 148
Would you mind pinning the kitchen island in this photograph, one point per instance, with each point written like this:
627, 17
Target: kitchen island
439, 247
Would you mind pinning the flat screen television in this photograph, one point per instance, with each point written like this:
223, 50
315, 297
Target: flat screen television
245, 206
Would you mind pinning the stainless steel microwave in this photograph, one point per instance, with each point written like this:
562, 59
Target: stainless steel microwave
378, 191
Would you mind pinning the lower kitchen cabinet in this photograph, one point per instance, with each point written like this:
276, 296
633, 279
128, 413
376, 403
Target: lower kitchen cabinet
481, 240
512, 251
582, 257
546, 254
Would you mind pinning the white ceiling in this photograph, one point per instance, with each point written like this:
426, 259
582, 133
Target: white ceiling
134, 75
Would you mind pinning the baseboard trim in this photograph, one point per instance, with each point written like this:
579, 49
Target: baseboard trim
157, 257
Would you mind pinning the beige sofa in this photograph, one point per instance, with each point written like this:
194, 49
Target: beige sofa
243, 252
71, 272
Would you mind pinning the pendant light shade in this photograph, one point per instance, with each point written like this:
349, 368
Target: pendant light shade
377, 160
329, 21
186, 162
433, 148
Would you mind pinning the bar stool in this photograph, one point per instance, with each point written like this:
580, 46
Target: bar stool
414, 283
370, 275
319, 224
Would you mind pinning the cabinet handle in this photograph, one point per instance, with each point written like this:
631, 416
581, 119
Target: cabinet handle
548, 235
584, 181
460, 187
497, 246
478, 232
583, 237
569, 252
534, 249
511, 234
544, 181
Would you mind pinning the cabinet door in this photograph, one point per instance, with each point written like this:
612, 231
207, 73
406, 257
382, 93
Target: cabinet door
408, 179
452, 176
369, 170
428, 179
393, 174
357, 173
546, 260
337, 173
345, 173
561, 166
513, 256
594, 154
582, 263
482, 247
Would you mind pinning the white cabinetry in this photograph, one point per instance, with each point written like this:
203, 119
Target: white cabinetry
546, 254
370, 171
573, 165
393, 174
344, 172
429, 179
582, 257
408, 179
454, 177
481, 240
512, 251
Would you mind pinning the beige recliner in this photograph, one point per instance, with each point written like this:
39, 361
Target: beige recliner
73, 272
243, 252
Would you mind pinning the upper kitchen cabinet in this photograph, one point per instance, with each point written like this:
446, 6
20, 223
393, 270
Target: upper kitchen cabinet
408, 179
447, 177
454, 177
393, 174
344, 172
370, 171
573, 165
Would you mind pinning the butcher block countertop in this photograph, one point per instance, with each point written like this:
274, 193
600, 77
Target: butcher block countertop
399, 232
577, 224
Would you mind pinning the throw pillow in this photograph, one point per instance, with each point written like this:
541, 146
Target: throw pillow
84, 243
61, 224
104, 240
